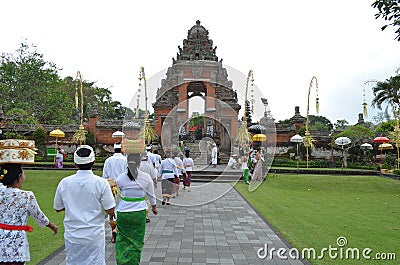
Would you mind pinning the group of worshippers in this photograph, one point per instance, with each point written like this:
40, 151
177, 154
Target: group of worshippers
85, 197
172, 169
250, 163
136, 187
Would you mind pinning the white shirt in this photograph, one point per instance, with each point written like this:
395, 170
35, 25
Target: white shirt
142, 186
146, 167
158, 160
214, 152
114, 166
84, 196
179, 165
168, 165
188, 164
151, 158
232, 161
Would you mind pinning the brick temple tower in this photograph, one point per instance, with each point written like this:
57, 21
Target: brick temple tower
196, 71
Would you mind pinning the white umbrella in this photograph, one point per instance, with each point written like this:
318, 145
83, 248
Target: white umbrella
342, 141
118, 134
296, 139
366, 146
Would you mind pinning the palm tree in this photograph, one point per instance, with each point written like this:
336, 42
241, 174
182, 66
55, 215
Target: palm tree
387, 92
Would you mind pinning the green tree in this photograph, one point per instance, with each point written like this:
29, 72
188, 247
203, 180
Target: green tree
29, 83
389, 10
40, 136
387, 92
20, 116
385, 126
340, 124
319, 123
358, 135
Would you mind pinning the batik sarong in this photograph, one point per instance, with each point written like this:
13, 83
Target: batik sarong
130, 237
187, 178
167, 186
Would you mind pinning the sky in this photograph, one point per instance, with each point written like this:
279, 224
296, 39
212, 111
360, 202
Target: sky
285, 43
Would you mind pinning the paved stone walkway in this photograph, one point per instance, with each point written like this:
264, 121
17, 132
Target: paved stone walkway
221, 229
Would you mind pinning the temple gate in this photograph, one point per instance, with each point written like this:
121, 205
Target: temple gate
196, 71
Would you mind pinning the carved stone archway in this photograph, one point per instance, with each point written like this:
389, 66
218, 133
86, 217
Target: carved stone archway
196, 71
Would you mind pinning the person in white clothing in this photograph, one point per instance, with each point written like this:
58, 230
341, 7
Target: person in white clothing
135, 185
150, 156
168, 172
115, 164
181, 171
214, 155
83, 196
158, 160
188, 164
232, 163
146, 167
113, 167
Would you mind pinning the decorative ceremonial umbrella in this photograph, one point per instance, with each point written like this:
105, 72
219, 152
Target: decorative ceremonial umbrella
342, 141
257, 128
385, 146
57, 133
297, 139
381, 139
366, 146
259, 137
117, 134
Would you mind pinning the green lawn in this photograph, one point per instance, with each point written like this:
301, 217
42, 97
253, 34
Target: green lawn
43, 183
312, 211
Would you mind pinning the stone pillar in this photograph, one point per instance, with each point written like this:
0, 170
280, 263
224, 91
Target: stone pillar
209, 107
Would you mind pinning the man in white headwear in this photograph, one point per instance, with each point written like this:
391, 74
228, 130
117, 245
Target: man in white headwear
83, 196
150, 156
115, 164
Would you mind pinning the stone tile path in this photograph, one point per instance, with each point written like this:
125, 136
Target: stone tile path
220, 229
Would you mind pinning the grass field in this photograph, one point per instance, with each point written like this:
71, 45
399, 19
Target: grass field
43, 183
310, 211
313, 211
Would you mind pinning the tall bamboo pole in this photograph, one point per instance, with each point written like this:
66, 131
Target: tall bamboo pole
308, 138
